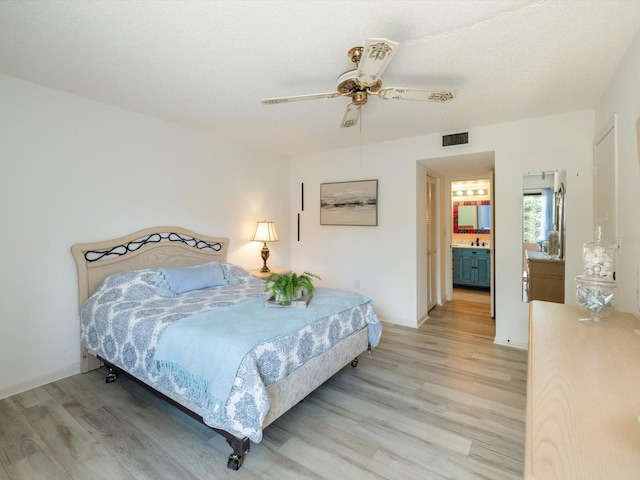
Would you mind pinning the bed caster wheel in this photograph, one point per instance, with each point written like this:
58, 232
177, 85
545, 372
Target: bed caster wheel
110, 378
235, 461
354, 362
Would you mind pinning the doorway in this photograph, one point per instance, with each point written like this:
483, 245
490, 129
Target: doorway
471, 239
439, 263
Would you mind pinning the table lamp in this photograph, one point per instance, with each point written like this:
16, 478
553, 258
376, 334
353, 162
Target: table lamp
265, 232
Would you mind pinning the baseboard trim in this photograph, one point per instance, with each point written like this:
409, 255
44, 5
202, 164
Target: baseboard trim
423, 319
40, 381
507, 342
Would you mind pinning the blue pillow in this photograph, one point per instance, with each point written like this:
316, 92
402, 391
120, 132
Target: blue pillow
185, 279
236, 275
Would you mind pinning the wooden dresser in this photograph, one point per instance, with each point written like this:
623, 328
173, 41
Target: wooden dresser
546, 277
583, 396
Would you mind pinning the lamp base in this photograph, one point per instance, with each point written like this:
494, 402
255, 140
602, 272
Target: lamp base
264, 253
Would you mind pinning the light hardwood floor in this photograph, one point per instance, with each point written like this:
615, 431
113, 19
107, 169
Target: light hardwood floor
439, 402
473, 295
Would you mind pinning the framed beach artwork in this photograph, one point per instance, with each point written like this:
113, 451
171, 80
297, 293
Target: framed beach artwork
349, 203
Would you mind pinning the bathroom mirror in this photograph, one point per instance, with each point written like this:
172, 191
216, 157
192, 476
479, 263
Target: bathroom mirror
484, 217
472, 217
543, 253
467, 217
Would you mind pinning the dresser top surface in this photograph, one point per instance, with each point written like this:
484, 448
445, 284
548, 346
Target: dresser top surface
583, 396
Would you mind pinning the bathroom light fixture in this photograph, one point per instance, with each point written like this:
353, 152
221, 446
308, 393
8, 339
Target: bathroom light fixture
470, 187
265, 232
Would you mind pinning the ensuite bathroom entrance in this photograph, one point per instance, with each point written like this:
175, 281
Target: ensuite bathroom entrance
471, 239
463, 183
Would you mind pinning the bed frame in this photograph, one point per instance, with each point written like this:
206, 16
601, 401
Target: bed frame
178, 247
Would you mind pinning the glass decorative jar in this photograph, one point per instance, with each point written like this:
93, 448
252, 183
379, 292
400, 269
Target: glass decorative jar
597, 296
598, 258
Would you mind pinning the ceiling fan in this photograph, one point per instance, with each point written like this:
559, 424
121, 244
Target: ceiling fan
371, 60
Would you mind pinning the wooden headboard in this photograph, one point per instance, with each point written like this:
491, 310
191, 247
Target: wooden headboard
150, 248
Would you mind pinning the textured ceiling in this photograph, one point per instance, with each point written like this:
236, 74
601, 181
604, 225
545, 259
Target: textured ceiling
207, 64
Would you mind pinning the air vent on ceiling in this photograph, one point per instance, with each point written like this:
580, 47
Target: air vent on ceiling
455, 139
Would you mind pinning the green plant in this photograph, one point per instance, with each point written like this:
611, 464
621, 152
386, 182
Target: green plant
285, 287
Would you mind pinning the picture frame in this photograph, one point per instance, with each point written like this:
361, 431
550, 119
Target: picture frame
353, 203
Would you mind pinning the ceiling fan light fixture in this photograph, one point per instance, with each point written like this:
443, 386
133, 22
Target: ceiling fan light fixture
347, 82
360, 97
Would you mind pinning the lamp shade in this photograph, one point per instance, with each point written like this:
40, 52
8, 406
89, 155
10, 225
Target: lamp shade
265, 232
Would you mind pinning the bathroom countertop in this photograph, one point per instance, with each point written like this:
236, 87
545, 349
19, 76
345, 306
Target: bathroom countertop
537, 255
468, 245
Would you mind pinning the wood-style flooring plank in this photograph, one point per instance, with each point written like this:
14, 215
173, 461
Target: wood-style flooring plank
140, 454
182, 443
308, 424
73, 446
334, 464
438, 402
18, 439
39, 466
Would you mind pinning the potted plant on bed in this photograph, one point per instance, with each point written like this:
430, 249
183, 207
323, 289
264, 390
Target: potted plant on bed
290, 286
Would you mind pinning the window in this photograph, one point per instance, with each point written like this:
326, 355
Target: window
532, 218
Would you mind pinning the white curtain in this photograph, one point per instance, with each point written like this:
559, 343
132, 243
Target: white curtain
547, 213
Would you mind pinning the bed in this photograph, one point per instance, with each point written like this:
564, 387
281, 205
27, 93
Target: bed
144, 296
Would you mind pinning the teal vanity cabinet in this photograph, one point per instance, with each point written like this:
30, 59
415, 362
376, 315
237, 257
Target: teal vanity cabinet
471, 267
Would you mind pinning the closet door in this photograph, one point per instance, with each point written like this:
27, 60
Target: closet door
605, 183
432, 250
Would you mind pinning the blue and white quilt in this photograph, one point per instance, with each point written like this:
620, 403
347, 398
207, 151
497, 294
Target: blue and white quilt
124, 320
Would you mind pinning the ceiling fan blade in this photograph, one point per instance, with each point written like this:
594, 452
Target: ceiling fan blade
396, 93
351, 115
297, 98
376, 55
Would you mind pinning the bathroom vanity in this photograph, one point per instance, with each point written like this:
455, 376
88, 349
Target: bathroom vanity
471, 266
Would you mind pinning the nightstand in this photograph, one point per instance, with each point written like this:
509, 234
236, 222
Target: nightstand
265, 275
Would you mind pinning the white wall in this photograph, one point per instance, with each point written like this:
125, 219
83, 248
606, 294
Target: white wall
560, 142
75, 170
623, 98
384, 258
